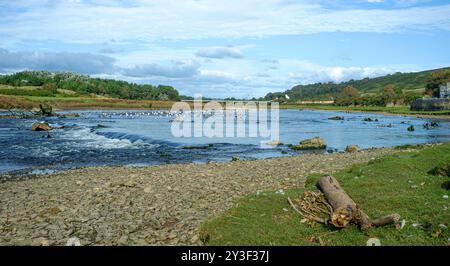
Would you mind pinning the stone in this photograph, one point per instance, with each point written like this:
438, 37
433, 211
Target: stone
369, 119
45, 242
315, 143
123, 240
274, 143
171, 236
352, 148
41, 126
194, 239
336, 118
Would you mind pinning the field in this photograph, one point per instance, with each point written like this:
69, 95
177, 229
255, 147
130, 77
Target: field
400, 183
398, 110
28, 102
29, 97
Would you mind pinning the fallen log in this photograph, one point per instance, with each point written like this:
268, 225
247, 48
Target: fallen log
345, 210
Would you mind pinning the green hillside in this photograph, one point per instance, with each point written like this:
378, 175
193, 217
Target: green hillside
327, 91
48, 84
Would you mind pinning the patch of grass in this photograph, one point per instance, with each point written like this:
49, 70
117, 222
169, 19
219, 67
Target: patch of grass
70, 102
399, 183
375, 109
441, 170
410, 147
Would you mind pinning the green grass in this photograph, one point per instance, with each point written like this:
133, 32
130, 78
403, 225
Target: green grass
70, 102
383, 186
376, 109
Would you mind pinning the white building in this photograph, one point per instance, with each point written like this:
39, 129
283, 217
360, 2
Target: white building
444, 91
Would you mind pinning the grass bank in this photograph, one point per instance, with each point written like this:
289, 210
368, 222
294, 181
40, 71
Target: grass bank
400, 183
83, 102
394, 110
66, 102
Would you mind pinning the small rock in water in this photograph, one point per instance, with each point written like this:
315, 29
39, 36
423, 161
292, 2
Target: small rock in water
369, 119
315, 143
274, 143
41, 126
336, 118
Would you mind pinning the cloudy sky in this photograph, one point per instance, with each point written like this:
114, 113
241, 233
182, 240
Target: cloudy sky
224, 48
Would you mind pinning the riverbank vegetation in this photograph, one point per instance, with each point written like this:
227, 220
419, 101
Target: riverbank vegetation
49, 84
30, 102
394, 110
407, 183
413, 85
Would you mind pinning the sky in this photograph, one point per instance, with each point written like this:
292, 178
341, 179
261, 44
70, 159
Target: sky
225, 48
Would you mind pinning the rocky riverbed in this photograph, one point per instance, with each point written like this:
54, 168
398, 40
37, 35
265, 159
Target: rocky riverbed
158, 205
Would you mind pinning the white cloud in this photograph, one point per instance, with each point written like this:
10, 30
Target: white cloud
85, 63
217, 76
305, 72
177, 69
220, 52
84, 21
248, 78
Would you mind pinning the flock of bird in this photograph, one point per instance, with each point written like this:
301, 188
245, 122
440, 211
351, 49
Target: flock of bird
172, 114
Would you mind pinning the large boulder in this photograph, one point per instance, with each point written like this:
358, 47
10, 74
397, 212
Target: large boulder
352, 148
316, 143
41, 126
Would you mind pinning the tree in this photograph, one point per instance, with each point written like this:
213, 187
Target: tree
389, 95
436, 79
349, 95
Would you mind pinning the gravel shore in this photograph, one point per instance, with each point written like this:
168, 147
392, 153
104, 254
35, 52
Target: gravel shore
158, 205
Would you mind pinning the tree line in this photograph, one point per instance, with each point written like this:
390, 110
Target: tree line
85, 85
398, 89
392, 94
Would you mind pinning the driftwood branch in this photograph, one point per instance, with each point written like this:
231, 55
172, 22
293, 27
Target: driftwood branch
345, 210
307, 216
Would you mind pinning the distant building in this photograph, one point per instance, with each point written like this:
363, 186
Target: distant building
444, 91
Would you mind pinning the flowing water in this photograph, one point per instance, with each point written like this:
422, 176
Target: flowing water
137, 138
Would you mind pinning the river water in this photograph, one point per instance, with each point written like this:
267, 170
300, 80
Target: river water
138, 138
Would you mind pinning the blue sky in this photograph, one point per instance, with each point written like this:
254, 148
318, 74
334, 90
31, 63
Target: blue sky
240, 48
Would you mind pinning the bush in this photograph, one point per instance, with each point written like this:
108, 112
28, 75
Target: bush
441, 170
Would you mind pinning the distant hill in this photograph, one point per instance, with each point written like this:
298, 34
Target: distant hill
50, 84
327, 91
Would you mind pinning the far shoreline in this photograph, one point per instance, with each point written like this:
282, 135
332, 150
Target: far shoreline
436, 116
78, 103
